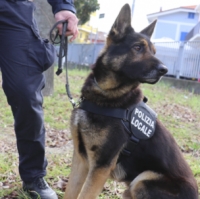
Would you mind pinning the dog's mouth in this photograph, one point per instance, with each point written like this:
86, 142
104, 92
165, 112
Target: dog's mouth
155, 75
150, 81
151, 78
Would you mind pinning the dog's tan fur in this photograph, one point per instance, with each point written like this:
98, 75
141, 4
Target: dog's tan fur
156, 168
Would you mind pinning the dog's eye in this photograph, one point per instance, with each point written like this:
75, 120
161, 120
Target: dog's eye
137, 47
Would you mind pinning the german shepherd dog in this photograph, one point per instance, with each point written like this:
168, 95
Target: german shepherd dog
155, 169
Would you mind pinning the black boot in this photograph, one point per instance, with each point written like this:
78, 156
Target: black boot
39, 189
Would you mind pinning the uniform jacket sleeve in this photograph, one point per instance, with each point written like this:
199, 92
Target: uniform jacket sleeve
58, 5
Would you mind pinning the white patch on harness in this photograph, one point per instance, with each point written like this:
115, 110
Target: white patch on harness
143, 122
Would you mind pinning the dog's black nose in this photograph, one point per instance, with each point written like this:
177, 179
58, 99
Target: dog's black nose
162, 69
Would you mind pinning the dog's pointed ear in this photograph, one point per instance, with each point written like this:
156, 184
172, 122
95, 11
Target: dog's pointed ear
148, 31
122, 22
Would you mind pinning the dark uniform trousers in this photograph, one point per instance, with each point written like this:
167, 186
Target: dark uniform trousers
24, 55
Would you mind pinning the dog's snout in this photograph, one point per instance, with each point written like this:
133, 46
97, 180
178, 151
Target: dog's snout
162, 69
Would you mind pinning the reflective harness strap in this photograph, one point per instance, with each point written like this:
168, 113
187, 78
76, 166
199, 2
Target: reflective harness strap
119, 113
106, 111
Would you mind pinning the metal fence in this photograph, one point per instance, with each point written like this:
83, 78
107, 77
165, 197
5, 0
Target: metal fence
83, 55
181, 58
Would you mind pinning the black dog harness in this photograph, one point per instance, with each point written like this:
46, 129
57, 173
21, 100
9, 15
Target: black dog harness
139, 120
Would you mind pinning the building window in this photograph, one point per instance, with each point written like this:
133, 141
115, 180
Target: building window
102, 15
191, 15
183, 36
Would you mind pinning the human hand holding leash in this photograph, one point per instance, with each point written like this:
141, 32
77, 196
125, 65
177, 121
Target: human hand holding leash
72, 23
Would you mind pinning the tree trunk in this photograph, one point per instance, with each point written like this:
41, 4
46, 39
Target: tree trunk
45, 20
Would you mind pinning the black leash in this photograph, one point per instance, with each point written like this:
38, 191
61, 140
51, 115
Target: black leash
63, 41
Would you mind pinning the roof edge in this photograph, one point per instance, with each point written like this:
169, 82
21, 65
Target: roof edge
166, 12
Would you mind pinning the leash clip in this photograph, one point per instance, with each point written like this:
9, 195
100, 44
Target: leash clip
73, 102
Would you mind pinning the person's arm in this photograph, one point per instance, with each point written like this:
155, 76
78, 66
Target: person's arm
58, 5
65, 10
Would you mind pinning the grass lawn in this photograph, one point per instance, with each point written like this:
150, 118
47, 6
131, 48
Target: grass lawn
178, 110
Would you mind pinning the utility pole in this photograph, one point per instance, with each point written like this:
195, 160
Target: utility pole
100, 17
133, 6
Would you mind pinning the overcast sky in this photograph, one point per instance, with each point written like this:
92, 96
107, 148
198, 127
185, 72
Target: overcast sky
111, 9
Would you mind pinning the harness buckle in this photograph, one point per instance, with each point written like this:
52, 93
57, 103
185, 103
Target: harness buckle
134, 139
125, 152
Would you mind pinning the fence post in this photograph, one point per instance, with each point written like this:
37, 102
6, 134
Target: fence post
180, 60
94, 53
